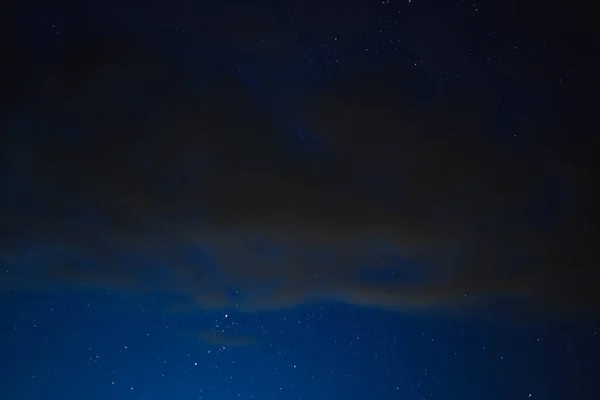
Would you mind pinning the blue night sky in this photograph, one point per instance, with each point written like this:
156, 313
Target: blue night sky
298, 200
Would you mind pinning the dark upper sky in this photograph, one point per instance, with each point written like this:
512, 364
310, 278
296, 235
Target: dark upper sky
262, 154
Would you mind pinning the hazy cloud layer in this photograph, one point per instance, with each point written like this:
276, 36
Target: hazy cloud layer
120, 177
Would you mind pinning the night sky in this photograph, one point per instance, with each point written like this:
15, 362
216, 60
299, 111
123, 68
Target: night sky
304, 200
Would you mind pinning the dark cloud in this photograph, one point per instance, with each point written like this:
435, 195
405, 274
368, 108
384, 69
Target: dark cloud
135, 183
221, 339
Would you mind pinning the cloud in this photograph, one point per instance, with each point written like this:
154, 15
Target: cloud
221, 339
141, 185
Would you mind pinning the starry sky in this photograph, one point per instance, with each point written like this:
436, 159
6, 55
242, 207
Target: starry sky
298, 200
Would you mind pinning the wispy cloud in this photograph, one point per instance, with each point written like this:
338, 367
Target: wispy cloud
142, 186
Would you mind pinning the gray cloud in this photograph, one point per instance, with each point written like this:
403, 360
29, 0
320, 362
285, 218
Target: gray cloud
141, 186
